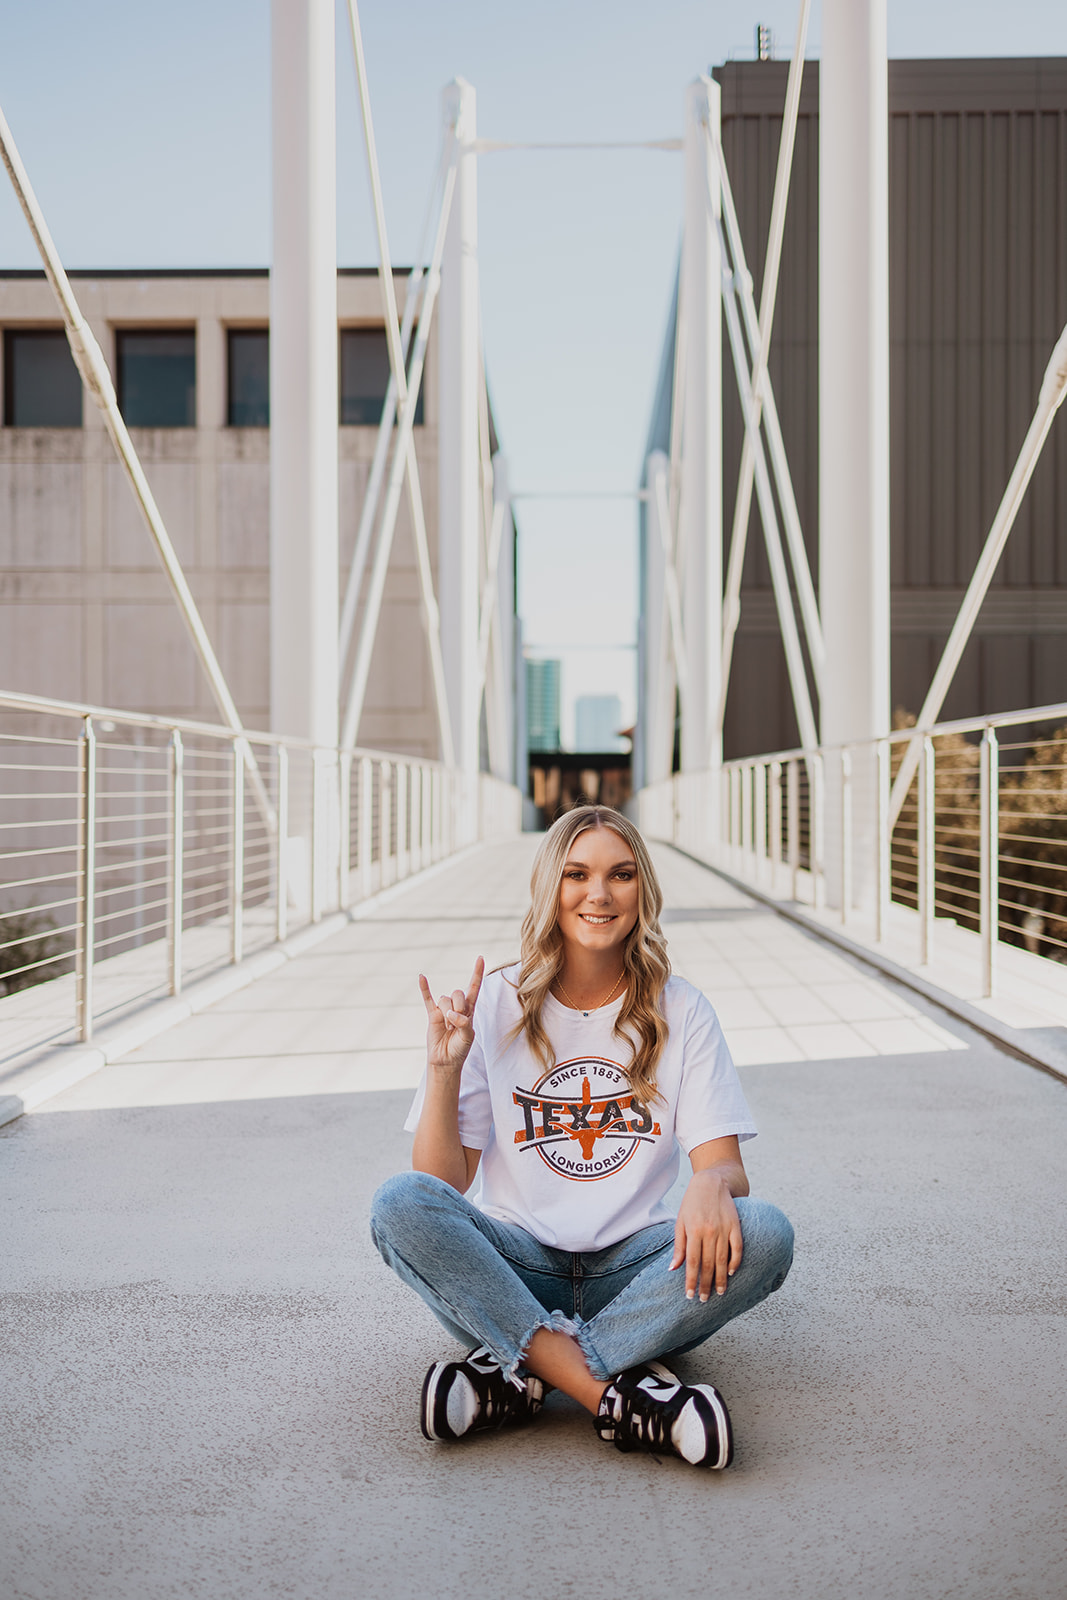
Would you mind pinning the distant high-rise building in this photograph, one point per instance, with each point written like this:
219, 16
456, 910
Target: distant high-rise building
542, 705
598, 718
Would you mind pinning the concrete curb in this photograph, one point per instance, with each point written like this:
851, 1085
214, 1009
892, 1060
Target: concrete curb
1013, 1040
62, 1066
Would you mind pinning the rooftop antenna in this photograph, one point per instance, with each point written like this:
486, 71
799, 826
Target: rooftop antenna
764, 42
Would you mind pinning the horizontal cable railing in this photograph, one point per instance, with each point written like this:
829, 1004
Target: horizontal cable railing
139, 851
980, 840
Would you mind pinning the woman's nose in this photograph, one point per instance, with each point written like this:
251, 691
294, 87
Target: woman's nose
599, 889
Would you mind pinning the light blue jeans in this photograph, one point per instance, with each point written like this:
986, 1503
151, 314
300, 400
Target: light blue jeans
492, 1283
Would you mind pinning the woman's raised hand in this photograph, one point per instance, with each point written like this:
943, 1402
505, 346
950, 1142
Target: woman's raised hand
450, 1030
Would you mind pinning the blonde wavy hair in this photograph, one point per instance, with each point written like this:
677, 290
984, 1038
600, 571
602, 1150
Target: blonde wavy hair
640, 1021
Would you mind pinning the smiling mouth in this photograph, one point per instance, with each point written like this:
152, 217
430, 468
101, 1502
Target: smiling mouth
597, 922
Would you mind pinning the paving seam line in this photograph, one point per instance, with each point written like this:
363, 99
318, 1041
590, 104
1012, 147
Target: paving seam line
998, 1033
65, 1065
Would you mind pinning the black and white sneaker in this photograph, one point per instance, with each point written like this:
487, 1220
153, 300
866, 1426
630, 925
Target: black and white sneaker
648, 1408
466, 1396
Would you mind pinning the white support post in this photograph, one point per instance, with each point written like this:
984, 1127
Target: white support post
281, 844
366, 827
317, 832
775, 823
884, 843
403, 772
793, 825
817, 829
989, 860
927, 852
344, 818
846, 834
699, 546
854, 410
459, 490
85, 914
746, 816
759, 776
303, 384
175, 859
385, 823
237, 852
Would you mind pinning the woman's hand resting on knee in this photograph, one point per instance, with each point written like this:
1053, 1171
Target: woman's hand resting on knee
707, 1233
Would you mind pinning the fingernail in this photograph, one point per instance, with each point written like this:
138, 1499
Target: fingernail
689, 1294
704, 1299
720, 1291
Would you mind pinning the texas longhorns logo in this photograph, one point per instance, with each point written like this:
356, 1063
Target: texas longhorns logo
583, 1119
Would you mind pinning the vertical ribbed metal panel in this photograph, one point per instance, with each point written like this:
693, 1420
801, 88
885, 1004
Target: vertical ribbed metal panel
978, 286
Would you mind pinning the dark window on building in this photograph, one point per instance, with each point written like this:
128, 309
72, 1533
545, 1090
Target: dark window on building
157, 378
248, 378
365, 377
42, 388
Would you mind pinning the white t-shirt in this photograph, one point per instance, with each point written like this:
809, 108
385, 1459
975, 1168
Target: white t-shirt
570, 1155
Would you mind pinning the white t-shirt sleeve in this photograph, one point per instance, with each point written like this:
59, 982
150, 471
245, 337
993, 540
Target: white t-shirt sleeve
711, 1103
475, 1105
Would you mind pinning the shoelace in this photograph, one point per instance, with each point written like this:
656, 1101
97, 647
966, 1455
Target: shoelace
644, 1417
499, 1400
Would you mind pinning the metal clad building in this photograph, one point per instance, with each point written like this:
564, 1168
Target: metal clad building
978, 285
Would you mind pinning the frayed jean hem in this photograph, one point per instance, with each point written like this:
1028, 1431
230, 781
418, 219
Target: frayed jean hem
593, 1361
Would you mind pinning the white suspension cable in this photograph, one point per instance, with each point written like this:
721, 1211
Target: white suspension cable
1050, 398
798, 681
742, 284
375, 479
406, 401
369, 510
670, 583
89, 359
376, 588
771, 270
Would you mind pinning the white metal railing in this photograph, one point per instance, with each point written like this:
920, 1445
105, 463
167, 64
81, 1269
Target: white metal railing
122, 832
980, 840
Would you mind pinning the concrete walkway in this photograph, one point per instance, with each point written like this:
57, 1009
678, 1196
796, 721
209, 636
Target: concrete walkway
209, 1381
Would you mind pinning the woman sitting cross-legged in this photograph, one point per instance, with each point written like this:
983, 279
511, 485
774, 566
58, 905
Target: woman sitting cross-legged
564, 1086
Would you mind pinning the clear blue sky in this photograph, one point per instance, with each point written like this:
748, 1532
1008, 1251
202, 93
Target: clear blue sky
146, 131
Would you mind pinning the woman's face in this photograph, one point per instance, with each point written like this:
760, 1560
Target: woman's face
598, 892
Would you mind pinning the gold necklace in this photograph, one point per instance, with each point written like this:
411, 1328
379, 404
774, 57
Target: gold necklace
603, 1002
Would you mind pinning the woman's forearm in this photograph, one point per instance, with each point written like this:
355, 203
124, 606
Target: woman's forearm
437, 1148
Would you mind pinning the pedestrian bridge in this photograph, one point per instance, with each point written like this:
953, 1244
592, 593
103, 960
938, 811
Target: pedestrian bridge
210, 935
213, 1385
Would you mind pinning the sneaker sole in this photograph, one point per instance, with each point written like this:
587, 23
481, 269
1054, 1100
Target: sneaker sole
433, 1428
723, 1425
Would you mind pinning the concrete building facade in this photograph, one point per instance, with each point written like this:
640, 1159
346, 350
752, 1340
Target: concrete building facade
85, 610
